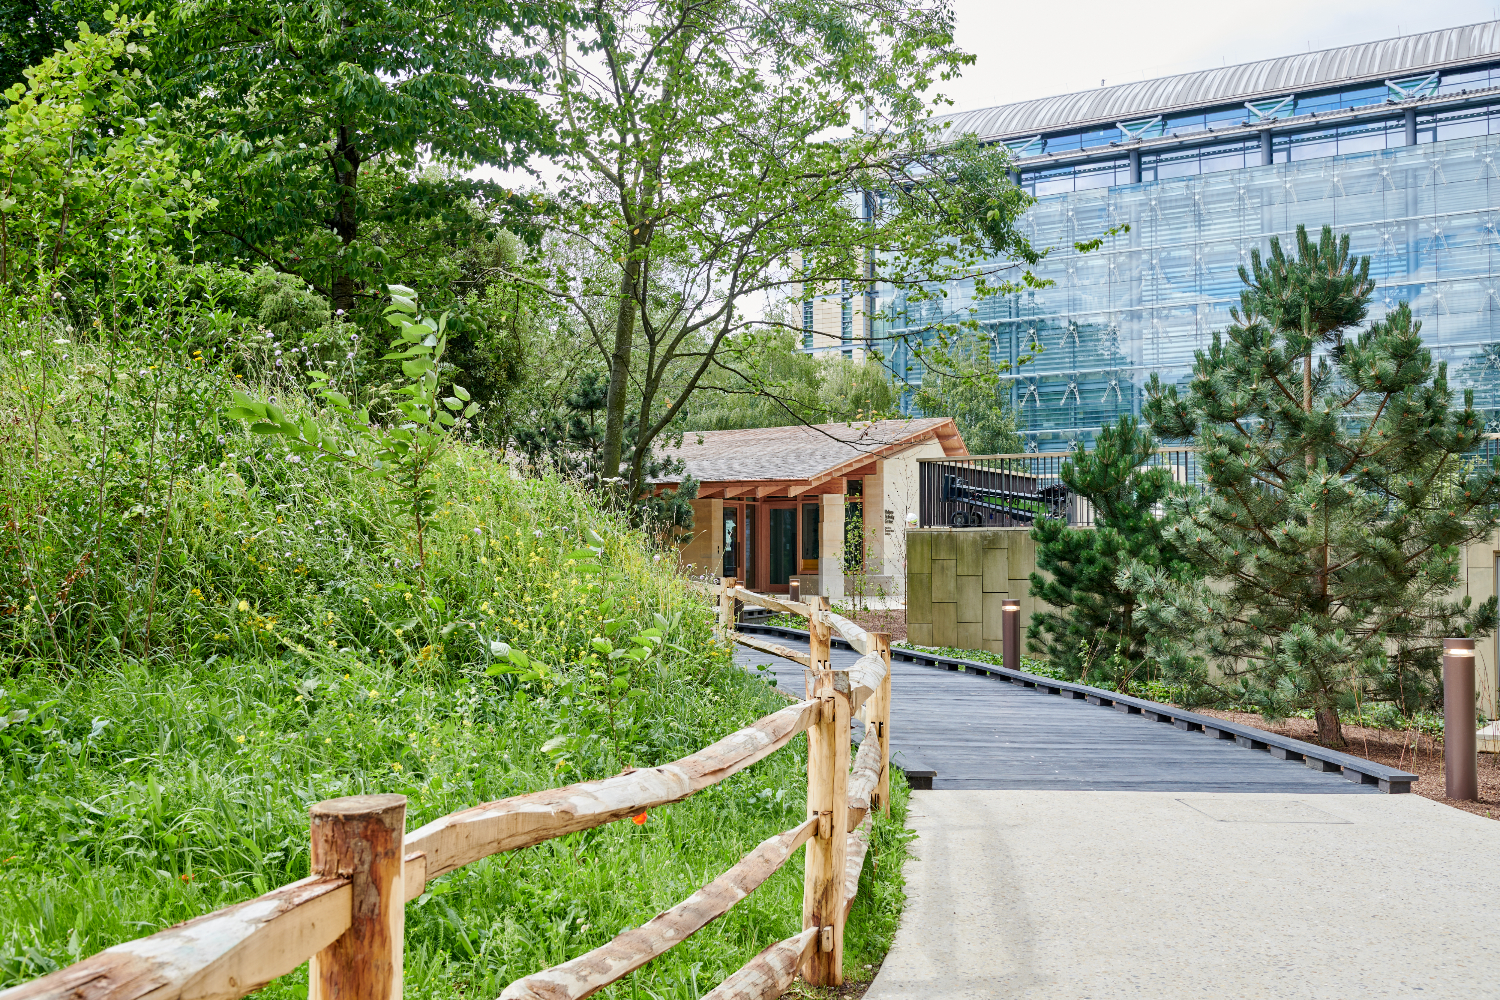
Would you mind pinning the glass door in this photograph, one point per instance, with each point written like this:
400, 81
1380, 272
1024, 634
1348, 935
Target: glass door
810, 537
783, 538
749, 532
732, 542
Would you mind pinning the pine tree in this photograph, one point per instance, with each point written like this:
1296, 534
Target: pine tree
1335, 496
1095, 633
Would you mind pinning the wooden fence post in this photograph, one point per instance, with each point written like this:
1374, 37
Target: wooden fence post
881, 716
828, 799
819, 636
360, 838
726, 608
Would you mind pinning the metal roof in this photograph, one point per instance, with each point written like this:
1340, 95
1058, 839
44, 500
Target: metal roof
1308, 71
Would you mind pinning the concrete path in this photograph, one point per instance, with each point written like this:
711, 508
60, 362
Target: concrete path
1092, 895
982, 733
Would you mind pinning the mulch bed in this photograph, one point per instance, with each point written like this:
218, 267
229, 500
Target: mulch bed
892, 621
1408, 750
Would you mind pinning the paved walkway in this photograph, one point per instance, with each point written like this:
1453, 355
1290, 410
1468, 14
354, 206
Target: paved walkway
1071, 851
1091, 895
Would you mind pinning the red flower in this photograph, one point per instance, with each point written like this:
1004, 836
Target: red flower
639, 820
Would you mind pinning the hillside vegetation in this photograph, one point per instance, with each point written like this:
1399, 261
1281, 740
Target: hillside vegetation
202, 634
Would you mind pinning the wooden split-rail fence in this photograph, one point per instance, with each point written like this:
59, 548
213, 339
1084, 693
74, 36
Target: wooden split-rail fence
348, 917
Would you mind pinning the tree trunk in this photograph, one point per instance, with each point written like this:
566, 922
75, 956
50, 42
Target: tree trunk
619, 371
346, 159
1330, 730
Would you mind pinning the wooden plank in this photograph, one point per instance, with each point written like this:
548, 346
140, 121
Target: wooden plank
771, 603
769, 974
591, 972
852, 633
414, 875
864, 778
857, 845
219, 956
360, 836
774, 649
865, 677
466, 836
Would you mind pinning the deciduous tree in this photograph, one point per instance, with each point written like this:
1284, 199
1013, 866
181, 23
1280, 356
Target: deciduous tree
312, 116
710, 161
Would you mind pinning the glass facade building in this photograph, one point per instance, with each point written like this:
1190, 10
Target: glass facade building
1408, 165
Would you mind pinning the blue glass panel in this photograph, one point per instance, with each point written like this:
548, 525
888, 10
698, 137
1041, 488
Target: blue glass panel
1428, 216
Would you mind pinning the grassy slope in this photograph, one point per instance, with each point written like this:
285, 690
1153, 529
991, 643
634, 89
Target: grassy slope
292, 656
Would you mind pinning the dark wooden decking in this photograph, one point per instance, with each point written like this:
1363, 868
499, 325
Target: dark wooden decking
983, 733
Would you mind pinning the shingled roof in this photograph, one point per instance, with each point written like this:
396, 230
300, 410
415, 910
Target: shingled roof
803, 457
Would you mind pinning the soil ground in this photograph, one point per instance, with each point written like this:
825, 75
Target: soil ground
892, 621
1409, 750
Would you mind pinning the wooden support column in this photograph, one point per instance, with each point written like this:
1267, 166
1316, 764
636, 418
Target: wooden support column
880, 714
828, 800
360, 838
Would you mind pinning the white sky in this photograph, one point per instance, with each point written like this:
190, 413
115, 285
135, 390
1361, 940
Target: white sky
1042, 49
1028, 50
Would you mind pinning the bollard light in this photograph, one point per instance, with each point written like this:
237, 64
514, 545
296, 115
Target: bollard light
1010, 633
794, 591
1460, 750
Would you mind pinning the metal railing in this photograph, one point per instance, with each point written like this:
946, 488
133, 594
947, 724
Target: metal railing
1005, 491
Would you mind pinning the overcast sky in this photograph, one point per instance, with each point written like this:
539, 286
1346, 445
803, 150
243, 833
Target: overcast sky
1028, 50
1032, 49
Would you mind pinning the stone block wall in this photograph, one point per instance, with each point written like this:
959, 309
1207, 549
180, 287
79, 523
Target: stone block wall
956, 579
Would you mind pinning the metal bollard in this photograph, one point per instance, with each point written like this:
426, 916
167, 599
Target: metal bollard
1010, 633
1460, 750
794, 591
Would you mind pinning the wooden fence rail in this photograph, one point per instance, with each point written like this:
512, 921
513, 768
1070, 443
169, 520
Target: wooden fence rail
347, 919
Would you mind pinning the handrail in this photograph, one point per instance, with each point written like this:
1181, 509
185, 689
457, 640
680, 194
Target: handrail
217, 956
775, 649
770, 973
464, 837
631, 949
1050, 454
231, 952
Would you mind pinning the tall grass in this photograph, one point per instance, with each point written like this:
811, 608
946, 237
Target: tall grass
200, 638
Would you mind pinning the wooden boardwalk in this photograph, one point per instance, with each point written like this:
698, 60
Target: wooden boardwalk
982, 733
